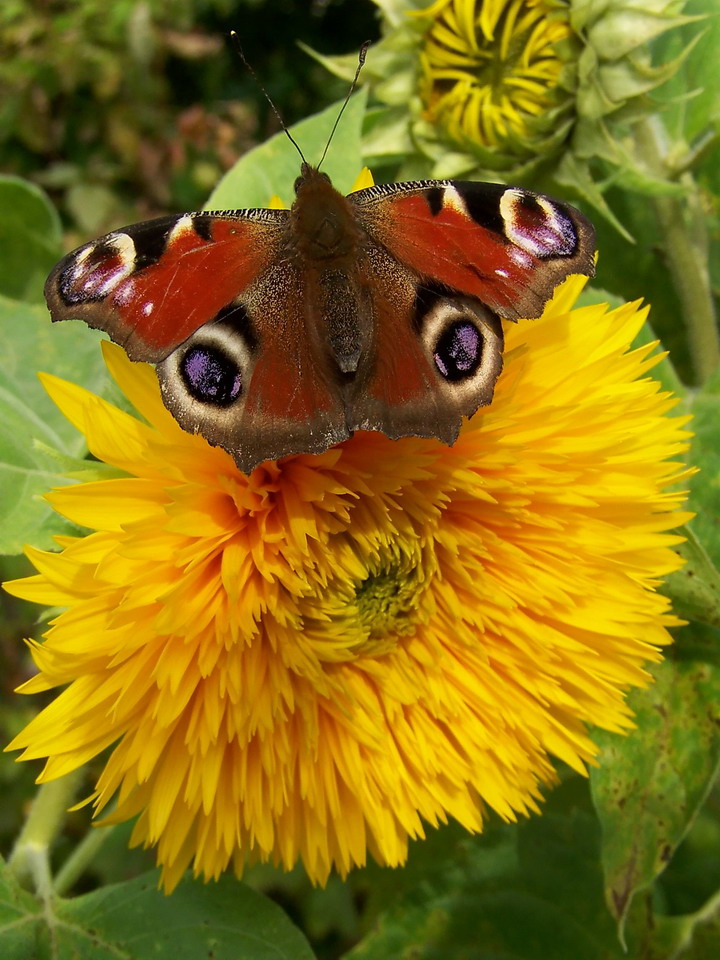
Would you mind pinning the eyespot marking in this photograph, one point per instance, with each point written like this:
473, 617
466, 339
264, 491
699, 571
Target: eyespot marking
90, 275
537, 225
458, 352
237, 316
210, 376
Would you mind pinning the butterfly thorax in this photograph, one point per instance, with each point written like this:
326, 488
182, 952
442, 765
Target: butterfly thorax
322, 223
324, 239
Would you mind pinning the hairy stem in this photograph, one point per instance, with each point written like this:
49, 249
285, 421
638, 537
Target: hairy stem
684, 243
78, 861
30, 858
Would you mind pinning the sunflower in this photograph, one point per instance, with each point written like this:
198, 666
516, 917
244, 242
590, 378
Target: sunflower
331, 654
492, 70
538, 92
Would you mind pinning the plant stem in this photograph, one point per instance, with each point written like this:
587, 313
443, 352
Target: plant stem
684, 244
83, 854
697, 152
30, 858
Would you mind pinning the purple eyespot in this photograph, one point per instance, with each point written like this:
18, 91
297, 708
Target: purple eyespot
458, 351
210, 376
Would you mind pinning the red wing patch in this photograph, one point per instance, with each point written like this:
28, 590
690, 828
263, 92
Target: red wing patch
152, 285
507, 247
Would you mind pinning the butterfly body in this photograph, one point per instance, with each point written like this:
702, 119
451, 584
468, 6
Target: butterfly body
278, 332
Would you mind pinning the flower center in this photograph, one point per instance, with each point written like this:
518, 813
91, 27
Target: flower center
389, 604
491, 66
386, 603
368, 615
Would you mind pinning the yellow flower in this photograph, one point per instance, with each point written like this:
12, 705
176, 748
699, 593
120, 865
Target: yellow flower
490, 68
325, 657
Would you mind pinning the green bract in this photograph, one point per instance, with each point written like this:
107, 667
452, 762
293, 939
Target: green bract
532, 91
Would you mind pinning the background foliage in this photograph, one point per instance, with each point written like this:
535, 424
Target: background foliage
126, 110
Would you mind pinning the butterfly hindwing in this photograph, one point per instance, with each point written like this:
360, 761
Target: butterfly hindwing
434, 356
259, 380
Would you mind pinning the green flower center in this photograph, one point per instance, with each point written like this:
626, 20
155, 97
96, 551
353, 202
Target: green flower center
370, 614
387, 603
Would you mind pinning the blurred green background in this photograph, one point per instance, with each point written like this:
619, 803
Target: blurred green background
134, 108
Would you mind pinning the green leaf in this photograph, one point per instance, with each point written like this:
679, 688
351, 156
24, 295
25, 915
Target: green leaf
638, 271
617, 33
30, 239
693, 94
705, 454
650, 785
274, 166
574, 174
224, 920
516, 893
387, 135
29, 343
693, 878
706, 942
19, 917
91, 206
695, 588
637, 180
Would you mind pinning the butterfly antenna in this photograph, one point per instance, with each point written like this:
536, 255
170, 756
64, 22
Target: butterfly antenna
361, 63
238, 47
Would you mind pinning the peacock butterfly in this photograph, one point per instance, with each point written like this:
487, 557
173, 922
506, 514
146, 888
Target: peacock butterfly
278, 332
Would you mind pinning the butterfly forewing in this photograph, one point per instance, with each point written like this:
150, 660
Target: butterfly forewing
507, 247
151, 285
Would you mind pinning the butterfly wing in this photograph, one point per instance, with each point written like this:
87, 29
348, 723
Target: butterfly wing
211, 300
434, 355
505, 246
151, 285
259, 381
444, 261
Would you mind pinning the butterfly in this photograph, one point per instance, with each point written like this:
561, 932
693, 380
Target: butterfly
278, 332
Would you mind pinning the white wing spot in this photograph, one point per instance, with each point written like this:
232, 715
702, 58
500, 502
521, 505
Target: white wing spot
184, 225
519, 256
93, 278
453, 201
